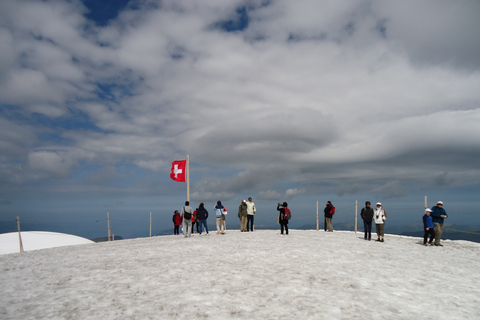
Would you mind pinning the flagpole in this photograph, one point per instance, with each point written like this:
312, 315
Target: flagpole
188, 179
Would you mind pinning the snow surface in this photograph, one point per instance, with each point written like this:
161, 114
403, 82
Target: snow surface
261, 275
35, 240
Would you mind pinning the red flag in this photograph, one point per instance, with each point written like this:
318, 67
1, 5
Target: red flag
179, 170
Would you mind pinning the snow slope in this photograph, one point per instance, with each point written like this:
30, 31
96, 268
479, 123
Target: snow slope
259, 275
35, 240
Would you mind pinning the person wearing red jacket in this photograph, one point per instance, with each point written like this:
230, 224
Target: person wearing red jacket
177, 222
194, 221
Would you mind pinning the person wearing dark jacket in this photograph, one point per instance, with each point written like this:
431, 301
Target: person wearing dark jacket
283, 217
367, 216
328, 216
243, 216
202, 215
177, 221
428, 227
438, 214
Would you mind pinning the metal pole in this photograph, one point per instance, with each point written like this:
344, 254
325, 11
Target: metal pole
426, 206
150, 223
318, 223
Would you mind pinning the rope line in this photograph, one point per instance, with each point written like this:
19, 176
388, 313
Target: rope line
450, 229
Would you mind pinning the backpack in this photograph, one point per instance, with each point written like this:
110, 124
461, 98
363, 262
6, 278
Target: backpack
186, 215
332, 210
288, 214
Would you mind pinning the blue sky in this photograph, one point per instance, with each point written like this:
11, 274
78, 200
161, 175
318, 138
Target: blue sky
279, 100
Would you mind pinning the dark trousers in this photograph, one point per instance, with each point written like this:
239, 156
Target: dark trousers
431, 232
193, 225
283, 226
176, 230
367, 227
250, 222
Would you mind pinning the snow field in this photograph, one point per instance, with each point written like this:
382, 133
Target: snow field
259, 275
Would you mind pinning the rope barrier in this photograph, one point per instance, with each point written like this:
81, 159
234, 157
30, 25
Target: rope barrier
450, 229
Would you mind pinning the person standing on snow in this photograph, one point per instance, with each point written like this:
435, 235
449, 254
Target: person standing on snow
242, 215
328, 211
251, 210
428, 227
194, 221
187, 213
367, 216
177, 222
220, 217
283, 216
202, 215
438, 214
379, 216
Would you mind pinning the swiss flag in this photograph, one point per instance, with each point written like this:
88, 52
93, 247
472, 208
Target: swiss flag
178, 170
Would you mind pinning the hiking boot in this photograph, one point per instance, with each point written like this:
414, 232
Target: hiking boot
382, 240
426, 245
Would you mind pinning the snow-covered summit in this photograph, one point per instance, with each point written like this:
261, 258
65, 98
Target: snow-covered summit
260, 275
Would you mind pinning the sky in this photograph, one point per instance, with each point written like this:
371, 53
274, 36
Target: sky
297, 101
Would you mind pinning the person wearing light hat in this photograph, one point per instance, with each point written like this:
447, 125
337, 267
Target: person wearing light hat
438, 214
379, 216
243, 216
428, 227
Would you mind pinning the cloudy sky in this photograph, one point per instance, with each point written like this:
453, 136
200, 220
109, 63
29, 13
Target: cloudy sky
278, 100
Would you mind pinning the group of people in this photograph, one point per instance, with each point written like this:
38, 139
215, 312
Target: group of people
433, 219
433, 224
189, 217
369, 215
246, 214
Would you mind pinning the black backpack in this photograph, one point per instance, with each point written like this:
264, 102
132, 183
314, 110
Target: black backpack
186, 215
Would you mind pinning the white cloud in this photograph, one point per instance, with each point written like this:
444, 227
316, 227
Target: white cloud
319, 95
52, 164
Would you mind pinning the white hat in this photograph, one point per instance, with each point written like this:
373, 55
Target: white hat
428, 210
379, 204
439, 202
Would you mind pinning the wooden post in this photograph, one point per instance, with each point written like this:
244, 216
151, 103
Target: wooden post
109, 229
150, 223
19, 234
318, 223
356, 212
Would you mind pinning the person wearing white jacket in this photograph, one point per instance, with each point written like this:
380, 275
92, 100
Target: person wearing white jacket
379, 216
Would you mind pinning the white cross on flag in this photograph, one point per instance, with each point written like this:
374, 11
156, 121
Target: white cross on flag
178, 170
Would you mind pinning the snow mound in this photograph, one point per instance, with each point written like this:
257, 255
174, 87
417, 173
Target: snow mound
35, 240
260, 275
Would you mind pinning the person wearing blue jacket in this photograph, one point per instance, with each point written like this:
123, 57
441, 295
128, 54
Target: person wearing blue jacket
428, 227
438, 214
220, 217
